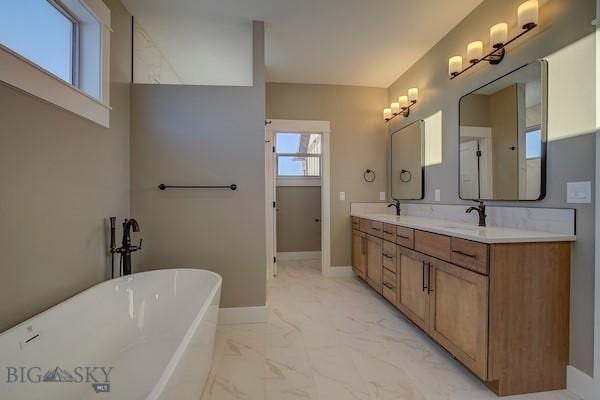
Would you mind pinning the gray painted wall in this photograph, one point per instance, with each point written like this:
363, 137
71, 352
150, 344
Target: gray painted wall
569, 160
358, 142
298, 218
194, 135
62, 176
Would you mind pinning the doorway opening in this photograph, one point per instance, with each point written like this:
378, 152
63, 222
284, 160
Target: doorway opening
297, 192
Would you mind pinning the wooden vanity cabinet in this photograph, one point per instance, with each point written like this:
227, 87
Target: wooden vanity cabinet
458, 313
374, 275
413, 298
502, 310
359, 253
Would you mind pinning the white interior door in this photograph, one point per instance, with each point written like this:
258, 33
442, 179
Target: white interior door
469, 170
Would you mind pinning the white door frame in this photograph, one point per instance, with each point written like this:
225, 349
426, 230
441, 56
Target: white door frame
304, 126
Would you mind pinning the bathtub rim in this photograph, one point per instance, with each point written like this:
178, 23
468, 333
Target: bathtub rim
107, 282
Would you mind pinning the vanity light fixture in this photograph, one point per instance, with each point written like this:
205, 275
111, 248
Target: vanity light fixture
528, 16
402, 106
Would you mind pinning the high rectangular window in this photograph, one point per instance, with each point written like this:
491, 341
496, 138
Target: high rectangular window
298, 155
42, 32
59, 51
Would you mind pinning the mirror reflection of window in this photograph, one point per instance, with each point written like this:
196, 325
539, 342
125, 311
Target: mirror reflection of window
502, 137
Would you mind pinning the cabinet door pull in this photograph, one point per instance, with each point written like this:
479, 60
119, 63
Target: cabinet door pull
388, 285
403, 237
388, 233
462, 253
429, 290
423, 276
375, 229
387, 256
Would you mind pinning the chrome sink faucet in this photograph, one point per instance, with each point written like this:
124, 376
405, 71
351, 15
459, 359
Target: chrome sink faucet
480, 210
396, 204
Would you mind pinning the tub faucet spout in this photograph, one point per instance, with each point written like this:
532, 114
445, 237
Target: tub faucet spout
126, 248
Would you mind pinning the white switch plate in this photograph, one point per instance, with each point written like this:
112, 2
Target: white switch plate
342, 196
437, 194
382, 196
579, 192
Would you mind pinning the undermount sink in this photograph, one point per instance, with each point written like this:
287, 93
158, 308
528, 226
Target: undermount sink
461, 228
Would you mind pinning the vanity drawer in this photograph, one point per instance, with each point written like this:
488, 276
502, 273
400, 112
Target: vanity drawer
405, 237
356, 223
389, 256
389, 286
373, 228
471, 255
433, 245
389, 232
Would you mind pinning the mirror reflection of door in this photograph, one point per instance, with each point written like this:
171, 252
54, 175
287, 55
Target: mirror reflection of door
502, 137
469, 177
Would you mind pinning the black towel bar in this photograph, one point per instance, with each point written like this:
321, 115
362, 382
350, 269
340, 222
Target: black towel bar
162, 186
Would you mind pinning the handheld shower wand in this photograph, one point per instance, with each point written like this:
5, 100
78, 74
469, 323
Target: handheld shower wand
113, 221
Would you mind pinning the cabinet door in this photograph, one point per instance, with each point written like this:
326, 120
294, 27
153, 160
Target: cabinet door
413, 299
375, 262
359, 253
459, 314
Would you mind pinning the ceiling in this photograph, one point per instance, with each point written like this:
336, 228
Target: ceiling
349, 42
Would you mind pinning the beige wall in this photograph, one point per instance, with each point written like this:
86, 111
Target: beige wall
358, 142
298, 218
475, 110
188, 135
570, 159
62, 176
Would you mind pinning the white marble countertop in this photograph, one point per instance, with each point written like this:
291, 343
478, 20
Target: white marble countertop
490, 234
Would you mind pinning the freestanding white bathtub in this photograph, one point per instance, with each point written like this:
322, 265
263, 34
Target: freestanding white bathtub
145, 336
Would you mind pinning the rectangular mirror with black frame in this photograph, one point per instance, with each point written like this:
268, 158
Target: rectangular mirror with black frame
407, 162
503, 134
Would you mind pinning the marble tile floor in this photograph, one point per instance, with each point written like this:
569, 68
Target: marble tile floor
333, 338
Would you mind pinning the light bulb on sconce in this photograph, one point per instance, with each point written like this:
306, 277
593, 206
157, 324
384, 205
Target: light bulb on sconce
528, 14
403, 101
499, 35
474, 51
395, 107
413, 95
455, 65
387, 114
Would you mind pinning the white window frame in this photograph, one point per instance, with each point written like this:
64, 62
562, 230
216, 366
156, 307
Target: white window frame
20, 73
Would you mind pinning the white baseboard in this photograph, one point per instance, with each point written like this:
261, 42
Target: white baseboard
299, 255
339, 272
581, 384
242, 315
